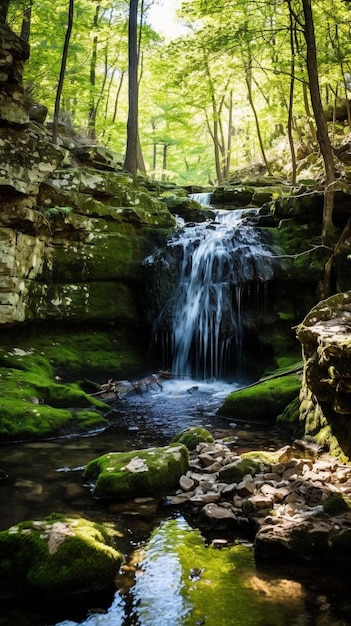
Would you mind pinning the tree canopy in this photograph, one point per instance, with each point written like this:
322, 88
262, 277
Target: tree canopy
232, 91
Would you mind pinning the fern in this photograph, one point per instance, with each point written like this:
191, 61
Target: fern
56, 211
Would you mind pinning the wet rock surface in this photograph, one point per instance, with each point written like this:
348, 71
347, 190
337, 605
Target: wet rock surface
297, 505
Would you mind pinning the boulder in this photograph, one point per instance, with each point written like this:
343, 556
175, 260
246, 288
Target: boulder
325, 335
55, 557
122, 475
191, 437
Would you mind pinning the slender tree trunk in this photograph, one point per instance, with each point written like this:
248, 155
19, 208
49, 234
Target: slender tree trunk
117, 97
291, 94
27, 16
229, 137
130, 162
253, 108
322, 128
62, 71
93, 60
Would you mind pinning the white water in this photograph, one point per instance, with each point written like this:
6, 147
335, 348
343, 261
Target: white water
217, 260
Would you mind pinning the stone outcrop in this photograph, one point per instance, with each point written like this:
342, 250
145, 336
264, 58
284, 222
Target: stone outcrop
73, 228
297, 505
325, 335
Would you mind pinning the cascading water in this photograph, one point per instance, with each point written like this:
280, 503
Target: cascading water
199, 325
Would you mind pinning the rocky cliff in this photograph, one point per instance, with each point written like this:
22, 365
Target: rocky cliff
69, 233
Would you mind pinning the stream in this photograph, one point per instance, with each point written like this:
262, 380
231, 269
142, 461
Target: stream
161, 548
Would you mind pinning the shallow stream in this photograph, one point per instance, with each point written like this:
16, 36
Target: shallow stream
173, 576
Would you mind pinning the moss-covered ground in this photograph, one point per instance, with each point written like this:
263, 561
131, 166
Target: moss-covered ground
43, 378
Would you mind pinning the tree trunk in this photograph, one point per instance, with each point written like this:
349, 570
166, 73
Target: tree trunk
62, 71
253, 108
92, 106
322, 128
27, 16
130, 162
4, 7
291, 95
229, 137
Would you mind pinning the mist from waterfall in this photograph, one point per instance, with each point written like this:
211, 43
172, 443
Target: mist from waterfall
200, 325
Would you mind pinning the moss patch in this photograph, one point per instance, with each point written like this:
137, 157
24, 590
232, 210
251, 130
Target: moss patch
264, 401
190, 437
130, 474
37, 397
235, 472
335, 504
57, 556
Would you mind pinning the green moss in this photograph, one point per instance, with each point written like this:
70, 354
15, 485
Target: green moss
25, 420
235, 472
57, 556
265, 400
37, 365
291, 414
128, 474
335, 504
190, 437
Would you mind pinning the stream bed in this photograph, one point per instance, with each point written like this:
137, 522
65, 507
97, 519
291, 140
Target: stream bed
172, 576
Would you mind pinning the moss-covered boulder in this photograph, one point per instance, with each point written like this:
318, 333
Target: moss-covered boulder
264, 400
57, 556
190, 437
126, 475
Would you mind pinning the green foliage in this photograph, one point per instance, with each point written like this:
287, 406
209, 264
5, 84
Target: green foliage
57, 211
186, 86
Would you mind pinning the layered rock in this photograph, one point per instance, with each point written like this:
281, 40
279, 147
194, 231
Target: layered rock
71, 234
325, 335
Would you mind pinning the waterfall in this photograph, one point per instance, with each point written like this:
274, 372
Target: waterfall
203, 274
203, 198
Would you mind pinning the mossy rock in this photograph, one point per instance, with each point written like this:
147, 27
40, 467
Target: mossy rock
57, 556
190, 437
262, 401
188, 209
123, 475
235, 472
336, 504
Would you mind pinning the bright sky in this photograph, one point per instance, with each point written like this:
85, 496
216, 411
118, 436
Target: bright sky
162, 16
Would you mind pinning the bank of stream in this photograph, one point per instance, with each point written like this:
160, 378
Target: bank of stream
173, 575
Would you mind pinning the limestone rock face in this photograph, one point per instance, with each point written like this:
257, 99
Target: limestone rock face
325, 335
72, 235
13, 53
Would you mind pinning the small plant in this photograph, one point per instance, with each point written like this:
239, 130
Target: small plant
57, 211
